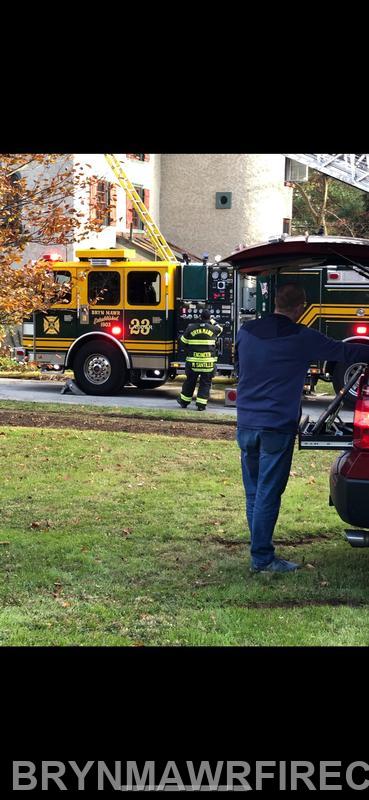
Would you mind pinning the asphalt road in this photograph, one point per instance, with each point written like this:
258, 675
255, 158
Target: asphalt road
45, 391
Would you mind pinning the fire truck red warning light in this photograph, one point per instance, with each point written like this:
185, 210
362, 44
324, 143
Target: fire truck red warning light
116, 330
361, 329
51, 257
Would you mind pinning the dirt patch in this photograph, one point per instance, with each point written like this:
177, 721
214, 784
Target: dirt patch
287, 542
101, 422
333, 601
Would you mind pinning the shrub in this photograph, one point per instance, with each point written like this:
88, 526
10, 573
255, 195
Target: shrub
8, 364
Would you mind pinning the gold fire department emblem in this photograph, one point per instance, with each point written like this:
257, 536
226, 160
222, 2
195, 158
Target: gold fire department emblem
51, 325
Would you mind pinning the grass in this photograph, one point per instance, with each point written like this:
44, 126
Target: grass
324, 387
125, 539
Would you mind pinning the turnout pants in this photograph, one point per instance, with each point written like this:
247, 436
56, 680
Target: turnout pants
190, 382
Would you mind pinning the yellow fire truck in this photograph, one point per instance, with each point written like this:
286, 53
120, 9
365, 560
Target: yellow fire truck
119, 319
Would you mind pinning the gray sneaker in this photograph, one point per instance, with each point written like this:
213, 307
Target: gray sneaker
278, 565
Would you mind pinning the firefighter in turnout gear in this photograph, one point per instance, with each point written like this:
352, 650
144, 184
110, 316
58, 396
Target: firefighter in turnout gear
200, 340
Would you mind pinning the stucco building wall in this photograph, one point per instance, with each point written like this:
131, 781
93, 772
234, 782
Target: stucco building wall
188, 213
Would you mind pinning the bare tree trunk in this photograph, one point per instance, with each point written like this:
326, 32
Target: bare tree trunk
323, 209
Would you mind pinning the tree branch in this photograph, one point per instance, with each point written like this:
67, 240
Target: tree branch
307, 200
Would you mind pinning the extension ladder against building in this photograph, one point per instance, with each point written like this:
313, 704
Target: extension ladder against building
351, 168
157, 239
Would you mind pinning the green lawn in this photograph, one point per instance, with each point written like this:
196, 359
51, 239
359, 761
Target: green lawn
127, 539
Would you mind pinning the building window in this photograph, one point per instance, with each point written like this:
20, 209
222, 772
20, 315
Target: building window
103, 202
139, 156
137, 223
64, 279
287, 226
104, 288
132, 217
143, 288
294, 172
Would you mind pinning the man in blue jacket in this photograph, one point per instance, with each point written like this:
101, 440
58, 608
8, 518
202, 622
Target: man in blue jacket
272, 358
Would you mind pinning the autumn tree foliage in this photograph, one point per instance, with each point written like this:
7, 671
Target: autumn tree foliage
38, 195
329, 206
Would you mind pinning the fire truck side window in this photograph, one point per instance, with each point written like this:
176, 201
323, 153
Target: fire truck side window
64, 279
143, 288
104, 288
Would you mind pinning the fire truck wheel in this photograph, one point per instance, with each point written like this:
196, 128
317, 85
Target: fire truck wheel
340, 376
99, 368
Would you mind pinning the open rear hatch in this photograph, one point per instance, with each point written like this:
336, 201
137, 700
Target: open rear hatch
329, 432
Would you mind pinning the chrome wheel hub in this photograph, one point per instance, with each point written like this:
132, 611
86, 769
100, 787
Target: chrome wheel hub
97, 369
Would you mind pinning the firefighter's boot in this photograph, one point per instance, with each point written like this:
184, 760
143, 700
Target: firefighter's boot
181, 402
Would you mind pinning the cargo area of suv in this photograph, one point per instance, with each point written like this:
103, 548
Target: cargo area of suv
349, 477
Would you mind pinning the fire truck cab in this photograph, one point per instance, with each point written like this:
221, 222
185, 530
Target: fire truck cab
119, 319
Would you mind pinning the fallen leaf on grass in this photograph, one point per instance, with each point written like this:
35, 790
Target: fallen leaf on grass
58, 588
310, 566
41, 525
324, 583
126, 531
311, 479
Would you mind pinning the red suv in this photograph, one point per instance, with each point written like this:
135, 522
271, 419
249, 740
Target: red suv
349, 479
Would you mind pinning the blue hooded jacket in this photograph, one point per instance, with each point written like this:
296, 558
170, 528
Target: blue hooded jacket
272, 357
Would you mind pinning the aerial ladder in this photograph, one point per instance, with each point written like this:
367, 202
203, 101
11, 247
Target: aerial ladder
156, 237
351, 168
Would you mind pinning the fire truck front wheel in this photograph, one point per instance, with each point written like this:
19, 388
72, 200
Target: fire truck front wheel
99, 368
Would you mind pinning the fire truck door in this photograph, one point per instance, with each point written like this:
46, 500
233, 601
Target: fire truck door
58, 326
148, 316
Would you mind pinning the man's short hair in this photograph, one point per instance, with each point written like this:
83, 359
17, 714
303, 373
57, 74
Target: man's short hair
289, 296
205, 314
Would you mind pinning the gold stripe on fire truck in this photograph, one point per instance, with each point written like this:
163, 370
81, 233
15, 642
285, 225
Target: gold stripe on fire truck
316, 310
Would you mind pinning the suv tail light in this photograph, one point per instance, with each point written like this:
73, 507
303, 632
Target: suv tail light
361, 416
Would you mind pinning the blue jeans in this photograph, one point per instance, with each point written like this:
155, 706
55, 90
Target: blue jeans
266, 462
